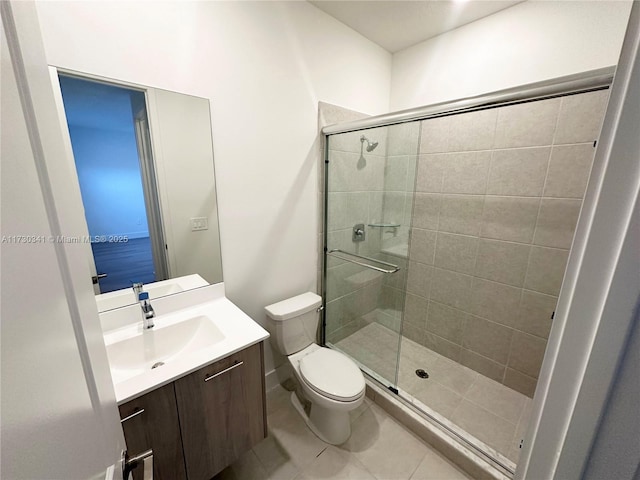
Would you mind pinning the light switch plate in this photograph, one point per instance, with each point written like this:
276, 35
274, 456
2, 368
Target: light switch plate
199, 223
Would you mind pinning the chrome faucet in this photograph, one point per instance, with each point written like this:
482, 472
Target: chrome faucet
137, 288
147, 310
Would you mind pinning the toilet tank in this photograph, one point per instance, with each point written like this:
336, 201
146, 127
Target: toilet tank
293, 323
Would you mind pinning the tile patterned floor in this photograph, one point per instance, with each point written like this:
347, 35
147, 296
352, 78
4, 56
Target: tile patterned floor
492, 413
379, 448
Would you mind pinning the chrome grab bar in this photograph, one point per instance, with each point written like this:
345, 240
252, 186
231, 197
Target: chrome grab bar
383, 270
384, 225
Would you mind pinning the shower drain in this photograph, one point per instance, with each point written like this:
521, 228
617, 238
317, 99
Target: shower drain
156, 365
421, 373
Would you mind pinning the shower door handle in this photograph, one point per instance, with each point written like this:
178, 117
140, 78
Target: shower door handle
393, 269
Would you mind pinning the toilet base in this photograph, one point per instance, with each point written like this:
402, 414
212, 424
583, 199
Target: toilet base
330, 426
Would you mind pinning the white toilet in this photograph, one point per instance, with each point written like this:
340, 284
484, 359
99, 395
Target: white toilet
332, 382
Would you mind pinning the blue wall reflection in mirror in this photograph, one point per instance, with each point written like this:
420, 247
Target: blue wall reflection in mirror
101, 125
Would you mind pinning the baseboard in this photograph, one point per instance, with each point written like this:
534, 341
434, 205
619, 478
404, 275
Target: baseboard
278, 375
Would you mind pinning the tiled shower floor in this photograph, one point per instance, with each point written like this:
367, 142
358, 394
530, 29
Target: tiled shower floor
492, 413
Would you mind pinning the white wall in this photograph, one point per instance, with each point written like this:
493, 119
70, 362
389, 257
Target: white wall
264, 66
529, 42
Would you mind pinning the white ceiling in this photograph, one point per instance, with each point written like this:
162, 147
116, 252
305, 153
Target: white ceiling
398, 24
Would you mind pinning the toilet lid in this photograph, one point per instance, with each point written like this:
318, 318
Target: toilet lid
332, 374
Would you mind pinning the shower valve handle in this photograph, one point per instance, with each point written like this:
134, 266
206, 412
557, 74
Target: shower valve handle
358, 233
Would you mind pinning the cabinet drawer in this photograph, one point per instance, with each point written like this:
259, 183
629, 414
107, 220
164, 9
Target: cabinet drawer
151, 421
222, 411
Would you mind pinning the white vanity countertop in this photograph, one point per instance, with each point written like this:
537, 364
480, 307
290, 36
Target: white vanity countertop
232, 331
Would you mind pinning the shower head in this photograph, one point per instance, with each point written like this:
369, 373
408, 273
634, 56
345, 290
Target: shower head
371, 146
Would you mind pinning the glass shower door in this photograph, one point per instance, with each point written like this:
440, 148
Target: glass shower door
370, 176
477, 209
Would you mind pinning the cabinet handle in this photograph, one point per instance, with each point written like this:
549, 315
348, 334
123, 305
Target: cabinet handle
135, 414
224, 371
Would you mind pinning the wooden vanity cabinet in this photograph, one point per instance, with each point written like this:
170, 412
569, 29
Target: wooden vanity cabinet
222, 412
151, 421
202, 422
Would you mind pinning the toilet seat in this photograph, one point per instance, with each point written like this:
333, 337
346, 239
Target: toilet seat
332, 374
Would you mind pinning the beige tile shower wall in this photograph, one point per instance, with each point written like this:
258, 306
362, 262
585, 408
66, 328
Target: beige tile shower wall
498, 193
399, 182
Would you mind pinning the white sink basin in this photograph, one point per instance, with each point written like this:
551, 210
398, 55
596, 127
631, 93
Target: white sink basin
136, 350
183, 339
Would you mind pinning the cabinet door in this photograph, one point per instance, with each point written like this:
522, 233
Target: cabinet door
151, 421
222, 412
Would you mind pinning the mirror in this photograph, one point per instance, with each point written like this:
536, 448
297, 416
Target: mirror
144, 164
